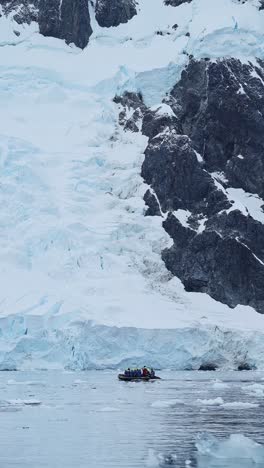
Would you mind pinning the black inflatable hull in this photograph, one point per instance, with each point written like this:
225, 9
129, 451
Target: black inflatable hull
131, 379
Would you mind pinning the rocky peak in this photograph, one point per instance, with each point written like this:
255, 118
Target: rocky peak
114, 12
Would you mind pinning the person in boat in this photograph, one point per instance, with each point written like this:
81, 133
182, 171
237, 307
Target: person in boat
128, 372
145, 372
152, 373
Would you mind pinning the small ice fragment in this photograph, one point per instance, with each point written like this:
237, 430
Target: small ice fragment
152, 459
254, 389
165, 403
24, 402
239, 405
212, 402
27, 383
108, 409
218, 385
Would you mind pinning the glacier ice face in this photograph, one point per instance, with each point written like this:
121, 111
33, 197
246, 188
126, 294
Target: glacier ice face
50, 342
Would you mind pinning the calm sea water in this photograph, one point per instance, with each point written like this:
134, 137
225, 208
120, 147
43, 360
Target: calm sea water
91, 420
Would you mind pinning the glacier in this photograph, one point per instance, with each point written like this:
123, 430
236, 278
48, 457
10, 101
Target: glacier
83, 285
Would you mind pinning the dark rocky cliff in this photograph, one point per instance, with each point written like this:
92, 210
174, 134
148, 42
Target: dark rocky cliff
219, 111
176, 2
69, 19
66, 19
114, 12
212, 141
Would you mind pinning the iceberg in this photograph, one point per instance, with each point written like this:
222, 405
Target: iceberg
236, 451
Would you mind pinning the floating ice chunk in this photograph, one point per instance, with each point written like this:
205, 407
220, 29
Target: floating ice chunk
28, 383
24, 402
108, 409
165, 403
255, 389
31, 402
219, 385
152, 459
238, 450
160, 460
213, 402
239, 405
79, 381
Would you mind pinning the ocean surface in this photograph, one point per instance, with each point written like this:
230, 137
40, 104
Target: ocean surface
61, 419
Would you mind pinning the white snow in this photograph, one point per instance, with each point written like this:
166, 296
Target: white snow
163, 109
202, 225
247, 203
182, 216
199, 156
79, 262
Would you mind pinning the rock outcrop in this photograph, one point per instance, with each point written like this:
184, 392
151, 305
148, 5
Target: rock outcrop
171, 168
176, 2
211, 141
23, 11
114, 12
131, 102
66, 19
221, 107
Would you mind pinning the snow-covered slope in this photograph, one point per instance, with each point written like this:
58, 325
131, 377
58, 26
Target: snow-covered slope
82, 279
